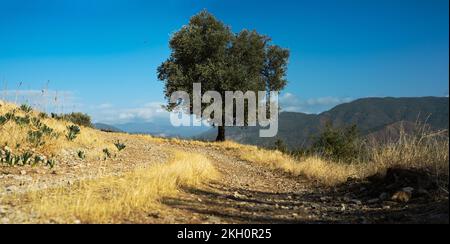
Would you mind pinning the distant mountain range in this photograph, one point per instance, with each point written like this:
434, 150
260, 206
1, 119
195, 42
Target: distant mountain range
106, 127
381, 118
160, 128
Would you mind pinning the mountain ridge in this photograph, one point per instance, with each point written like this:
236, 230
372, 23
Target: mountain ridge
371, 115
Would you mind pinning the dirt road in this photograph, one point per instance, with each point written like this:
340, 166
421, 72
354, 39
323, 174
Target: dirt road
250, 193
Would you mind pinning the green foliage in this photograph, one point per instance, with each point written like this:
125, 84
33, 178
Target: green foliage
207, 51
43, 115
120, 146
55, 116
26, 108
107, 153
81, 154
26, 157
73, 132
301, 152
51, 163
3, 120
38, 130
10, 115
22, 121
36, 122
79, 119
22, 159
36, 138
19, 120
338, 144
281, 146
48, 131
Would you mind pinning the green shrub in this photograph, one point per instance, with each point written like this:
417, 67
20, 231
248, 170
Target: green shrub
281, 146
36, 122
73, 132
81, 154
55, 116
43, 115
26, 158
120, 146
338, 144
3, 120
35, 138
301, 152
10, 115
46, 130
78, 119
107, 153
22, 121
26, 108
39, 130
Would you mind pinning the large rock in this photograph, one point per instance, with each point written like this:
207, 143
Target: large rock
402, 196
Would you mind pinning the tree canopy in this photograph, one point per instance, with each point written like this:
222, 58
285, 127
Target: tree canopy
206, 51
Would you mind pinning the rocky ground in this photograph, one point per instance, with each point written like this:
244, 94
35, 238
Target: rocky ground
249, 193
246, 193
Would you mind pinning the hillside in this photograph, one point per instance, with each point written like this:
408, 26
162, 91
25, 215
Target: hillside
371, 115
123, 178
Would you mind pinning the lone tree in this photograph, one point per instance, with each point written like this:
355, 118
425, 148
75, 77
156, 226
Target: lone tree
206, 51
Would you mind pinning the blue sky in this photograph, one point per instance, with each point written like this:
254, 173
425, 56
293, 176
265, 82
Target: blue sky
101, 56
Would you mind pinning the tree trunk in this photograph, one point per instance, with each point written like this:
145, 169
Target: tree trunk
221, 134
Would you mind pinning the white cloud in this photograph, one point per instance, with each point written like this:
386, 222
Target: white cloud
44, 100
291, 103
154, 111
147, 112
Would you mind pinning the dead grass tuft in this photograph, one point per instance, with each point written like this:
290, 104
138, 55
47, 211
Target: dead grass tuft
119, 199
424, 151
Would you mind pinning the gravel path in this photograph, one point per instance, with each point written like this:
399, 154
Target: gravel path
250, 193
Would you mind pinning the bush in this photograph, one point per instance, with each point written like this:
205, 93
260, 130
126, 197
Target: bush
107, 153
81, 154
23, 159
338, 144
120, 146
281, 146
26, 108
43, 115
73, 132
55, 116
3, 120
78, 119
36, 138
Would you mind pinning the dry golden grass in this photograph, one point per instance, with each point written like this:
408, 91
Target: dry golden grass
426, 151
16, 136
313, 168
423, 151
119, 199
